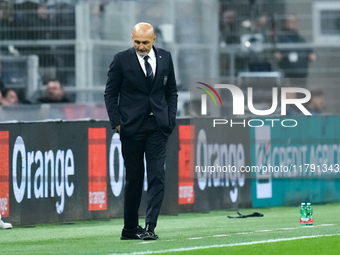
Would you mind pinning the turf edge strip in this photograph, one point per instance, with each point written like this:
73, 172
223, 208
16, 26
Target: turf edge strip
224, 245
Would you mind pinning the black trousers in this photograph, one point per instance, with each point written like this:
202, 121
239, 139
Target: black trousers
151, 141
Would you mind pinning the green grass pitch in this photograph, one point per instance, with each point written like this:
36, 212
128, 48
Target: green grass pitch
278, 232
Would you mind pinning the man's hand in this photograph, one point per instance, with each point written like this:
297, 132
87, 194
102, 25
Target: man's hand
118, 128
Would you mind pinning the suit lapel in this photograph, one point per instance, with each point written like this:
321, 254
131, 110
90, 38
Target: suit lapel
135, 65
159, 68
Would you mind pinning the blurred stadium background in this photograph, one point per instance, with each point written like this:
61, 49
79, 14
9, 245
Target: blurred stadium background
74, 41
230, 41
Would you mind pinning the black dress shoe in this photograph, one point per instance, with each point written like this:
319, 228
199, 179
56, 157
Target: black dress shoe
149, 233
132, 234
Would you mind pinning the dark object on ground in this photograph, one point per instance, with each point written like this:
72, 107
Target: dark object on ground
255, 214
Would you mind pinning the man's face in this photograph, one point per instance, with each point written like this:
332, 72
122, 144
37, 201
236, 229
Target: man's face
291, 23
143, 39
42, 11
12, 97
228, 17
54, 90
319, 102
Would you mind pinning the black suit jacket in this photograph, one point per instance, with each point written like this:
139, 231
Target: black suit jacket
128, 98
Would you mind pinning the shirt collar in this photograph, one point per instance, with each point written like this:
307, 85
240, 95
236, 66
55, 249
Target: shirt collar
152, 54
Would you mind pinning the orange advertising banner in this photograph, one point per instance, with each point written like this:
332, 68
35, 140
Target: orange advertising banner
4, 173
186, 192
97, 169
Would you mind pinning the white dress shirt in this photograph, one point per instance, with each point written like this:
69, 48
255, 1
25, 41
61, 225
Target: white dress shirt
151, 60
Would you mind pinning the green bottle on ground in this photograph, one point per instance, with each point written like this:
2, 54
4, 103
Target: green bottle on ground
309, 214
303, 215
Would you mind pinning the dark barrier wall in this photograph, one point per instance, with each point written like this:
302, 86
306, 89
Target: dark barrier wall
221, 147
47, 171
64, 171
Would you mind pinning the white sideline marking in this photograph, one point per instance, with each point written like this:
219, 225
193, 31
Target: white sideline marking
195, 238
220, 235
154, 241
246, 233
224, 245
242, 233
257, 231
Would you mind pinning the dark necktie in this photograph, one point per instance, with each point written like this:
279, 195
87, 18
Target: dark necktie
148, 68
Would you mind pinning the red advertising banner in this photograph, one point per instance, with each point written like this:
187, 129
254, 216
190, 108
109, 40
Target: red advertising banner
97, 169
4, 173
186, 192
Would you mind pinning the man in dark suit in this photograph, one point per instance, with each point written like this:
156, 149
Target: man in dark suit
294, 62
141, 101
